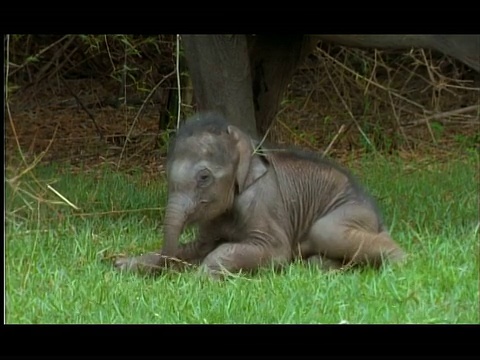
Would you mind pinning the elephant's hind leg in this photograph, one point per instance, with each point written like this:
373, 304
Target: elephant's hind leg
370, 248
351, 234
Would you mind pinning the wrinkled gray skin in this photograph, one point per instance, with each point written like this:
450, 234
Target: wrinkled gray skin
244, 77
259, 208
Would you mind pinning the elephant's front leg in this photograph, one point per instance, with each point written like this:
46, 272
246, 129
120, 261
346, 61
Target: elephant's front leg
191, 253
245, 256
149, 263
195, 251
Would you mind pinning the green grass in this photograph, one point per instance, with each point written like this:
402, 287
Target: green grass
55, 272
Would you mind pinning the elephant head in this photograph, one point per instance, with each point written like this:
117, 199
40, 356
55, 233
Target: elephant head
209, 162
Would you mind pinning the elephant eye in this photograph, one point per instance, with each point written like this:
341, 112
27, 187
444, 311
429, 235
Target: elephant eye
204, 178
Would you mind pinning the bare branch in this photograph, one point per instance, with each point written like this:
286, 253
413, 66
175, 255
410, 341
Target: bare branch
440, 116
90, 115
179, 91
39, 53
150, 94
342, 128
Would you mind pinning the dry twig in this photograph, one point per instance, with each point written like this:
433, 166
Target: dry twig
150, 94
440, 117
90, 115
342, 128
26, 62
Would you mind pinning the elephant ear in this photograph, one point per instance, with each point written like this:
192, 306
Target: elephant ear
250, 167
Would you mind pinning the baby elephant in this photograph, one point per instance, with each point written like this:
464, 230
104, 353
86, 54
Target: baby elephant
256, 207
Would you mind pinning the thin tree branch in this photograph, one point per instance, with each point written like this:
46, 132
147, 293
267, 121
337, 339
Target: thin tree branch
26, 62
179, 95
140, 111
440, 116
90, 115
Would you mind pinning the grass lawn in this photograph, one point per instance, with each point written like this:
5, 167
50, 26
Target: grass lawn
55, 272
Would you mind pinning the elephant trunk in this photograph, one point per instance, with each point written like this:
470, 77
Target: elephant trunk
178, 207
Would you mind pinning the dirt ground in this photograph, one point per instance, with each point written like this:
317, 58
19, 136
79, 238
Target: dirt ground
48, 121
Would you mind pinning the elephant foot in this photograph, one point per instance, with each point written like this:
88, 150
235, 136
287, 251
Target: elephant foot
324, 263
205, 272
149, 263
397, 256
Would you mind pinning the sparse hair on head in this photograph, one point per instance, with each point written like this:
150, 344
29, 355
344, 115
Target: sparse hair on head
211, 122
202, 122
